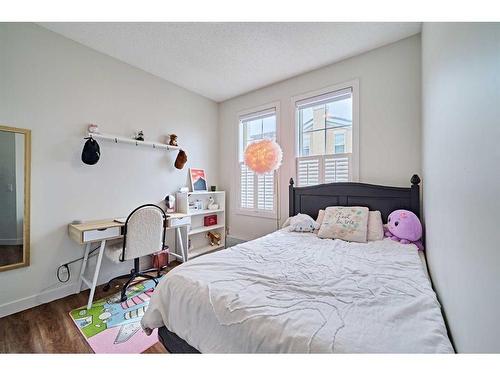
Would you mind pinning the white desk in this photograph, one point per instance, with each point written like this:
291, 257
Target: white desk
108, 229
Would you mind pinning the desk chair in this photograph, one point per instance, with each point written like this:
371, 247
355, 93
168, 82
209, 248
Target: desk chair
143, 234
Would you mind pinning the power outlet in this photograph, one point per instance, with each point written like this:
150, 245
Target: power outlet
63, 273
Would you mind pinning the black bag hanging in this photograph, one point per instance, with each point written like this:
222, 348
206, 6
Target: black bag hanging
91, 152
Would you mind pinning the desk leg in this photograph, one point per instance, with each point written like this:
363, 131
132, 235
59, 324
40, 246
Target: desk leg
82, 270
181, 244
96, 274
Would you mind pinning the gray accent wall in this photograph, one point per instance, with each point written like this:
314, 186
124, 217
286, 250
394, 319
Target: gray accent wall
461, 177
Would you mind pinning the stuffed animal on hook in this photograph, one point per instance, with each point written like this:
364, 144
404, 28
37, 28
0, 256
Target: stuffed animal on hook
173, 140
140, 136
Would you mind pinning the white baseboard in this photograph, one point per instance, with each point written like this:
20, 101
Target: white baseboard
36, 299
61, 291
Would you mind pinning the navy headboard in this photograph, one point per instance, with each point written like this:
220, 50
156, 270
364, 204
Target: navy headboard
310, 199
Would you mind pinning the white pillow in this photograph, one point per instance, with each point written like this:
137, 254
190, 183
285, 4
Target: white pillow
345, 223
375, 226
321, 216
287, 222
301, 223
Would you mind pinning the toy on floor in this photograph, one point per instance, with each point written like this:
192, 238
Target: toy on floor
405, 227
215, 238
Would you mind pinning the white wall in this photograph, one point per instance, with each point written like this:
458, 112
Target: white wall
56, 87
389, 81
461, 131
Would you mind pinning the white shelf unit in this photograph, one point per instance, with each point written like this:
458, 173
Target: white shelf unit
198, 241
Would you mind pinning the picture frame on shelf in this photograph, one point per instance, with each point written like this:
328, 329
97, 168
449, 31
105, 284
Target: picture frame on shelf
198, 179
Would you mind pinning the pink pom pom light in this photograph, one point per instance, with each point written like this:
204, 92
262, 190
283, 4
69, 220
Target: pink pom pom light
263, 156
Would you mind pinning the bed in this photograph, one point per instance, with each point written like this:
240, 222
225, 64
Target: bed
291, 292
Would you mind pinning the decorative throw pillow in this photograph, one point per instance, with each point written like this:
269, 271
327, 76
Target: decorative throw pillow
345, 223
375, 226
303, 223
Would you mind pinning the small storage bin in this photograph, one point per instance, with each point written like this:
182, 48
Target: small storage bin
210, 220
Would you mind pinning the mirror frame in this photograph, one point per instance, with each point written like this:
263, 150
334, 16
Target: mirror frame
27, 196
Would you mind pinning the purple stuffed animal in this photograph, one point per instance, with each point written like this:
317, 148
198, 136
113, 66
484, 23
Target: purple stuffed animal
404, 226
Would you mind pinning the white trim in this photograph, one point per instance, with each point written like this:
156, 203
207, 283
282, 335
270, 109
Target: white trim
236, 209
243, 113
25, 303
258, 114
62, 291
355, 130
354, 84
255, 212
326, 97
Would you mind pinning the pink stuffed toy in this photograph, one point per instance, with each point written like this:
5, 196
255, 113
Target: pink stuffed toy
404, 226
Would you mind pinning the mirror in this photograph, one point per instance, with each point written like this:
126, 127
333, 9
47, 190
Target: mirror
15, 168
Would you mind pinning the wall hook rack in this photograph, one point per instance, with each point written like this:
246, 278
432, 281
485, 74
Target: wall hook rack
115, 139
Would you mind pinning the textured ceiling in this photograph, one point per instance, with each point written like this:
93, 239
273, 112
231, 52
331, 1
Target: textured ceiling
224, 60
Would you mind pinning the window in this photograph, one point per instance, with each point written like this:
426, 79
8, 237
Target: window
257, 192
325, 137
339, 143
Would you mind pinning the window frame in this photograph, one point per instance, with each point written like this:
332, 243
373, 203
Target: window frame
354, 84
237, 209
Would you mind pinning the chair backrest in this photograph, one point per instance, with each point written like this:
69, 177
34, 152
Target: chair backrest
144, 232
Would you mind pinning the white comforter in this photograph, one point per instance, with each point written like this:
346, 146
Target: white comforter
296, 293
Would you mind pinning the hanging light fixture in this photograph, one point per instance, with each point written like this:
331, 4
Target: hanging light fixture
263, 156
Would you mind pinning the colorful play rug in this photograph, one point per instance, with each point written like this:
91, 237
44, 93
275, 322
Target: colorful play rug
111, 326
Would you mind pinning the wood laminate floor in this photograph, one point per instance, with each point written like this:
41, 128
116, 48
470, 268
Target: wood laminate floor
48, 328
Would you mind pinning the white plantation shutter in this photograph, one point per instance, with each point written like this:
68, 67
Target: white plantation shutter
323, 169
336, 168
308, 171
246, 186
265, 191
256, 191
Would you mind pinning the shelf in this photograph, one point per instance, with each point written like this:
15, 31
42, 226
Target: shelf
117, 139
204, 192
205, 229
197, 251
204, 212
